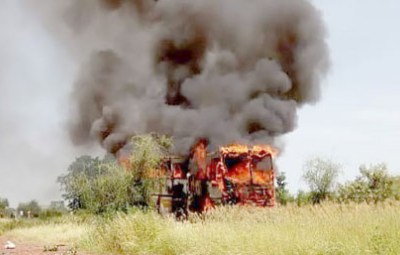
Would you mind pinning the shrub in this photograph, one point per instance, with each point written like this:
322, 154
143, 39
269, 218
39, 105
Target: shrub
373, 185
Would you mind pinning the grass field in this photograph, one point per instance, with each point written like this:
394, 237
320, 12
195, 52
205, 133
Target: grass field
65, 230
326, 229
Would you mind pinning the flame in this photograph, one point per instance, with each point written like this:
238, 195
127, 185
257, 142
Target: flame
208, 204
200, 154
259, 149
239, 173
243, 149
177, 172
262, 177
234, 148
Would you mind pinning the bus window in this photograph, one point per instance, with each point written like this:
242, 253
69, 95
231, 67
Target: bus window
264, 164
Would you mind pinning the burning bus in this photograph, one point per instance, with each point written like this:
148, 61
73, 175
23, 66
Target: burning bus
235, 174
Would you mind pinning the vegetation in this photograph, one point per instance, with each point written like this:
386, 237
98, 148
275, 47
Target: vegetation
373, 185
321, 176
326, 229
362, 216
282, 193
80, 174
144, 161
3, 207
329, 228
59, 230
29, 209
96, 186
101, 186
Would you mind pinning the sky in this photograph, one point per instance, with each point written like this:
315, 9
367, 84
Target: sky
355, 122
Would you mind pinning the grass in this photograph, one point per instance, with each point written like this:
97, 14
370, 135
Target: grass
326, 229
64, 230
52, 234
10, 224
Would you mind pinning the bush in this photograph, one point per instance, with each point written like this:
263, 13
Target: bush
373, 185
303, 198
50, 213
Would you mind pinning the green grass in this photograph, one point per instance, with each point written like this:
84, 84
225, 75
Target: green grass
326, 229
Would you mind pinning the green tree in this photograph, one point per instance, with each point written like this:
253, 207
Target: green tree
321, 176
373, 185
102, 185
3, 203
3, 207
96, 185
282, 194
108, 191
146, 156
80, 172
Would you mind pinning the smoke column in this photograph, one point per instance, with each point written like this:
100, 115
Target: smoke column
229, 71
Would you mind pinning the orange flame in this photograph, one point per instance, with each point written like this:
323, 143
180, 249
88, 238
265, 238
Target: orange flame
239, 173
200, 154
262, 177
177, 173
267, 148
256, 149
234, 148
208, 204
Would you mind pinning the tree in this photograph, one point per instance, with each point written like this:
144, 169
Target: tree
373, 185
3, 207
30, 209
321, 176
82, 170
147, 154
3, 203
282, 194
108, 191
96, 185
102, 185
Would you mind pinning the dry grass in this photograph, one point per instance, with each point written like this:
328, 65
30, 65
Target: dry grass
326, 229
65, 230
50, 234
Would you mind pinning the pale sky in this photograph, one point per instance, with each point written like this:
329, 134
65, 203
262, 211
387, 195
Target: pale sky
357, 120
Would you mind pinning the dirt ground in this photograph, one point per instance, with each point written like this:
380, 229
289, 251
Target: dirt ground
29, 248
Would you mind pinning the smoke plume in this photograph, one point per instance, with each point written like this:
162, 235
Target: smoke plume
229, 71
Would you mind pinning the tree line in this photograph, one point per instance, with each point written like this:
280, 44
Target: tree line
374, 184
